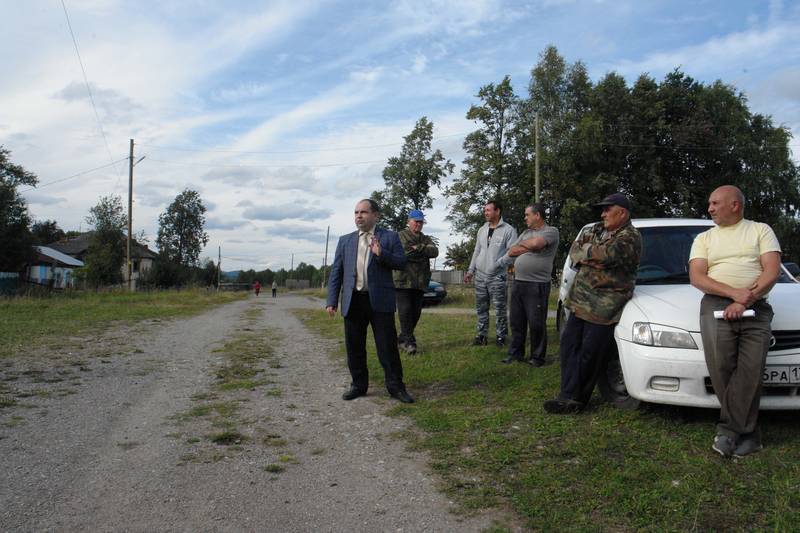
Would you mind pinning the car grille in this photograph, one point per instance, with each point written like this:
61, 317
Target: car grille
785, 340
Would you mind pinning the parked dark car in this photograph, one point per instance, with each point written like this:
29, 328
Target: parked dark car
435, 293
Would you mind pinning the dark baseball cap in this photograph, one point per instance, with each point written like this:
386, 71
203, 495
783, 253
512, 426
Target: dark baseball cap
615, 199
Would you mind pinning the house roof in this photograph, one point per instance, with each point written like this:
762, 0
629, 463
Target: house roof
77, 247
51, 254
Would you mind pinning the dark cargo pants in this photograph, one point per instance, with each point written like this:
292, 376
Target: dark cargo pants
736, 352
409, 308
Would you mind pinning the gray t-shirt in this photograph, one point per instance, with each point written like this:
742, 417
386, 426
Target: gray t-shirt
538, 265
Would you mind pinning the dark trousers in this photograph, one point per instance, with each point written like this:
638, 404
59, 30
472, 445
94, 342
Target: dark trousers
736, 352
529, 312
359, 316
409, 309
584, 347
274, 292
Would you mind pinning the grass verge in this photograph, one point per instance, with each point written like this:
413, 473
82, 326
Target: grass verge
650, 469
29, 322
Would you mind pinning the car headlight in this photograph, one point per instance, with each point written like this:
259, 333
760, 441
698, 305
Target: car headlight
663, 336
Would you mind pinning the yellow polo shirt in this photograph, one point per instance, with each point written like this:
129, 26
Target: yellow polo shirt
734, 252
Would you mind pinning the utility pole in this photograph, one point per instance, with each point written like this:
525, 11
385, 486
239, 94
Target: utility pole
536, 183
129, 263
291, 270
130, 217
325, 260
219, 266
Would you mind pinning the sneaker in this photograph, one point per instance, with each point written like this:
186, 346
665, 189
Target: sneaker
500, 341
558, 406
410, 349
723, 445
480, 340
535, 362
746, 447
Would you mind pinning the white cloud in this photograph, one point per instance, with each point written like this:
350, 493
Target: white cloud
286, 211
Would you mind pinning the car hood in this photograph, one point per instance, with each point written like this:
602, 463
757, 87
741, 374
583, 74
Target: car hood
671, 305
679, 306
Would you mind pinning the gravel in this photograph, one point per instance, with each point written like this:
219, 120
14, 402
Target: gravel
93, 443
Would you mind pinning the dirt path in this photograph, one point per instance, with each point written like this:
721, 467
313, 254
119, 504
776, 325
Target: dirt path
93, 443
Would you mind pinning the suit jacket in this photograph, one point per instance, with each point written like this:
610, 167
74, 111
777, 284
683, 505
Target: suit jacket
379, 271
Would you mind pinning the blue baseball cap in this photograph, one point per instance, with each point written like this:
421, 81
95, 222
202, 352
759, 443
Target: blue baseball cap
416, 214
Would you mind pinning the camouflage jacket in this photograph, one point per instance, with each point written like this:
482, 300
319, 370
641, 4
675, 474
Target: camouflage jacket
419, 250
606, 277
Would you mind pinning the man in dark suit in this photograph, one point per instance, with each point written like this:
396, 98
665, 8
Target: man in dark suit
362, 270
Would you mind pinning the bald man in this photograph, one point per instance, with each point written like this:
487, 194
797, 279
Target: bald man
735, 264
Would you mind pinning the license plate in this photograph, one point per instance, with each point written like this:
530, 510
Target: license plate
781, 375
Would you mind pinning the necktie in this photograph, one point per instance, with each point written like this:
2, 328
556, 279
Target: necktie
361, 263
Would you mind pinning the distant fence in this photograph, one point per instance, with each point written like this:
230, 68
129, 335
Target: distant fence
298, 284
448, 277
9, 282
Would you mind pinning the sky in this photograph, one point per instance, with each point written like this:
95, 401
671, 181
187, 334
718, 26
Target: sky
283, 114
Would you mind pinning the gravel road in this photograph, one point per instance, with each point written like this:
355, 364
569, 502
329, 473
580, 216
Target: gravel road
96, 441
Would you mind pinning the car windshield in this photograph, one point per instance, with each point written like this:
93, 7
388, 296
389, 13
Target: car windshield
665, 254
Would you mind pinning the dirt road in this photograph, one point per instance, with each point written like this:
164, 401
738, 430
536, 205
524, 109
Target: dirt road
100, 438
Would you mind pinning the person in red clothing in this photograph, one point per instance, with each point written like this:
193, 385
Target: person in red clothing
257, 287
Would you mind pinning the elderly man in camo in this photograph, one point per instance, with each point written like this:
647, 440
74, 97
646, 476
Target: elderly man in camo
607, 256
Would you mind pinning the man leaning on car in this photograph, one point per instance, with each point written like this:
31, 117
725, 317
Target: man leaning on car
607, 258
735, 264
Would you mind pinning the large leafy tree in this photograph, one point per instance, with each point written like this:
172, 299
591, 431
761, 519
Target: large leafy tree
493, 168
15, 236
106, 253
180, 229
410, 176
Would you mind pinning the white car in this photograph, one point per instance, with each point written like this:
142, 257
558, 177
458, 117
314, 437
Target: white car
659, 355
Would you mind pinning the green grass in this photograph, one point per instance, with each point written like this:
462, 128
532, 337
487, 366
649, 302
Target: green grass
650, 469
29, 322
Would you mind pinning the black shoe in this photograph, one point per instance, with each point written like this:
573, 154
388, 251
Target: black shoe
511, 359
353, 393
500, 341
410, 349
557, 406
401, 395
535, 362
480, 340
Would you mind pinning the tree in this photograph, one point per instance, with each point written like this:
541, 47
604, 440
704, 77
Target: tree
410, 176
46, 232
459, 255
106, 253
180, 229
493, 168
15, 236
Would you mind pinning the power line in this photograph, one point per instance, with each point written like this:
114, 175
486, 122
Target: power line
89, 90
73, 176
336, 149
355, 163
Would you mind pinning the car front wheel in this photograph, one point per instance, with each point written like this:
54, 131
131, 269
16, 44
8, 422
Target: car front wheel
611, 382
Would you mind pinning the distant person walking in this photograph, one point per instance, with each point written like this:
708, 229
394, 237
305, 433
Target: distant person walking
257, 287
412, 282
274, 288
735, 264
488, 268
362, 271
532, 254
